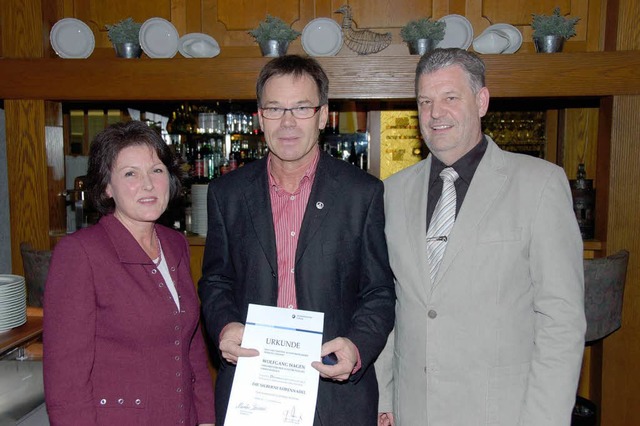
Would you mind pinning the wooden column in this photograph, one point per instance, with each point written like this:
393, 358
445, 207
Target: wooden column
621, 375
22, 37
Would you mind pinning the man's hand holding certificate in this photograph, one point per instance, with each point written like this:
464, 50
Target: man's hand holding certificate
278, 386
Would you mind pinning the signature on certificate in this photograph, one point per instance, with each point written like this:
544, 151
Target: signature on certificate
250, 406
290, 416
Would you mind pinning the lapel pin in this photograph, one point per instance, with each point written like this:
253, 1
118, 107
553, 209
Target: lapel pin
319, 205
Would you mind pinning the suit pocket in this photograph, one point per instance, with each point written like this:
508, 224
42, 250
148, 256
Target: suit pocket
487, 236
505, 394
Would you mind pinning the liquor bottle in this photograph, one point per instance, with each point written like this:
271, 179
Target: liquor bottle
353, 156
345, 152
216, 158
363, 161
224, 162
333, 122
233, 162
172, 119
199, 175
207, 156
337, 153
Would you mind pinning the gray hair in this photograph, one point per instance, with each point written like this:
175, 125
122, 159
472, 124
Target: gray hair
438, 59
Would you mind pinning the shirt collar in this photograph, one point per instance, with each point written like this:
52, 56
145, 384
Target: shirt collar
465, 166
307, 178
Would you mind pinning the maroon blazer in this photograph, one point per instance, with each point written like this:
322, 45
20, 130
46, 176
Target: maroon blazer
116, 349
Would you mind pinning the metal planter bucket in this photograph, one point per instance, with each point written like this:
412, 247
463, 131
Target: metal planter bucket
421, 46
127, 50
274, 48
548, 44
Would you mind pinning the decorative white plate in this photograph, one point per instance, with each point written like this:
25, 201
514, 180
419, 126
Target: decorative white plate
514, 34
322, 37
458, 32
491, 42
198, 45
159, 38
72, 39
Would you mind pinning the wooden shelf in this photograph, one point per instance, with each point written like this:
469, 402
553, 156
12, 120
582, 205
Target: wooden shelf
15, 337
591, 74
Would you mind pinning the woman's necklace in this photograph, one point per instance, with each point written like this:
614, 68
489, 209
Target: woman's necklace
158, 260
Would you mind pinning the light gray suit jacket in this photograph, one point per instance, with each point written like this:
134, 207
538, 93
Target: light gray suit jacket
498, 338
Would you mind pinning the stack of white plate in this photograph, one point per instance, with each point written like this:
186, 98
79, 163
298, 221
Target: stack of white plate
13, 302
199, 209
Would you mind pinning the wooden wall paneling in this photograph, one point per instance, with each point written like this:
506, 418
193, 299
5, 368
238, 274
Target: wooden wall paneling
197, 255
323, 9
229, 22
52, 12
628, 36
483, 13
21, 21
193, 15
54, 141
595, 22
27, 171
603, 167
621, 376
580, 141
178, 16
97, 14
610, 19
239, 17
22, 30
382, 15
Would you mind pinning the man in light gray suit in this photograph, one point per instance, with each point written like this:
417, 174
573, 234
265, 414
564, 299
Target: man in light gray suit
496, 336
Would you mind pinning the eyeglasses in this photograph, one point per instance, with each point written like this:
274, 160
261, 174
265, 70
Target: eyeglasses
302, 112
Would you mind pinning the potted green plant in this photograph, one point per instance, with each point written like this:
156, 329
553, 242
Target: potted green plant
422, 35
273, 36
125, 38
550, 31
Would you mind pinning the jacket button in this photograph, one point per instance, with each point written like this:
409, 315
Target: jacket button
179, 390
177, 342
153, 271
173, 268
432, 314
138, 402
120, 401
178, 374
103, 401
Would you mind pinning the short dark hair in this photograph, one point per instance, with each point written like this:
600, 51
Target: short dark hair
442, 58
297, 66
105, 149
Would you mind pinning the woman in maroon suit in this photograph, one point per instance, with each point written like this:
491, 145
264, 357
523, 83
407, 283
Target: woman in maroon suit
122, 344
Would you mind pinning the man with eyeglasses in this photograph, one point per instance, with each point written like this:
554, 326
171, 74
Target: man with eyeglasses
300, 229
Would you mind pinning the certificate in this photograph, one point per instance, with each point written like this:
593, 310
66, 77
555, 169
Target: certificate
279, 386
